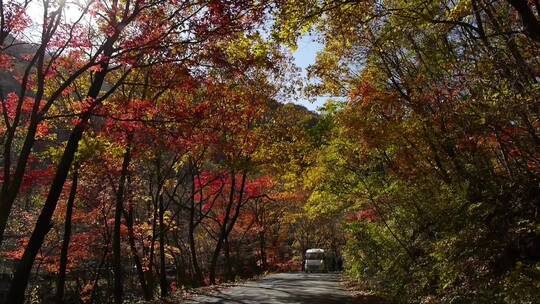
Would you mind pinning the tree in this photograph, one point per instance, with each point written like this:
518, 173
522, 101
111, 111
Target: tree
418, 160
67, 236
161, 28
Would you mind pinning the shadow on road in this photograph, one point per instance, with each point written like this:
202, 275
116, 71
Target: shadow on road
289, 289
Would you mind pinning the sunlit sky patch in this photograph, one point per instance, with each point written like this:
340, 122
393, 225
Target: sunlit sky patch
304, 56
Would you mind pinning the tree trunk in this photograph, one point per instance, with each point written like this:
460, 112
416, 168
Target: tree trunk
193, 249
191, 235
223, 230
67, 236
147, 293
116, 240
262, 243
99, 268
3, 34
228, 221
163, 274
43, 224
213, 262
530, 23
150, 272
11, 184
228, 264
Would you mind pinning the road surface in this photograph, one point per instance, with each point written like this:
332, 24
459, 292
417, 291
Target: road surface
283, 288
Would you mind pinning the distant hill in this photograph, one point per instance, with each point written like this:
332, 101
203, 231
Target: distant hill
17, 50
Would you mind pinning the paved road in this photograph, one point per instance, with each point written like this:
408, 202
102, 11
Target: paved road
284, 288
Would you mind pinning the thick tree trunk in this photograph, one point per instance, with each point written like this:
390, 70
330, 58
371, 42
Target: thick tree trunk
3, 34
228, 263
60, 286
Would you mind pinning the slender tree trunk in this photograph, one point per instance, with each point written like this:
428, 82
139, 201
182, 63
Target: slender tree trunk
147, 293
223, 230
191, 235
530, 23
213, 262
228, 221
67, 236
262, 243
116, 240
100, 266
163, 274
150, 271
11, 184
43, 224
215, 255
193, 249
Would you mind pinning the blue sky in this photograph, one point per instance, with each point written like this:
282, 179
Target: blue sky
304, 56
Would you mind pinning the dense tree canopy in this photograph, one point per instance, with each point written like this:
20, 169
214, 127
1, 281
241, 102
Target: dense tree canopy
148, 146
433, 159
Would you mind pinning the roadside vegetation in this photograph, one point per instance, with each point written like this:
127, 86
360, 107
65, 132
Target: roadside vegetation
433, 160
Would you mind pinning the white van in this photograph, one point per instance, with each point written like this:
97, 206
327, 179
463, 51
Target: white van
314, 260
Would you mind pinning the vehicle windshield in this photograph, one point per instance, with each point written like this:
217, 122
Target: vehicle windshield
314, 256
